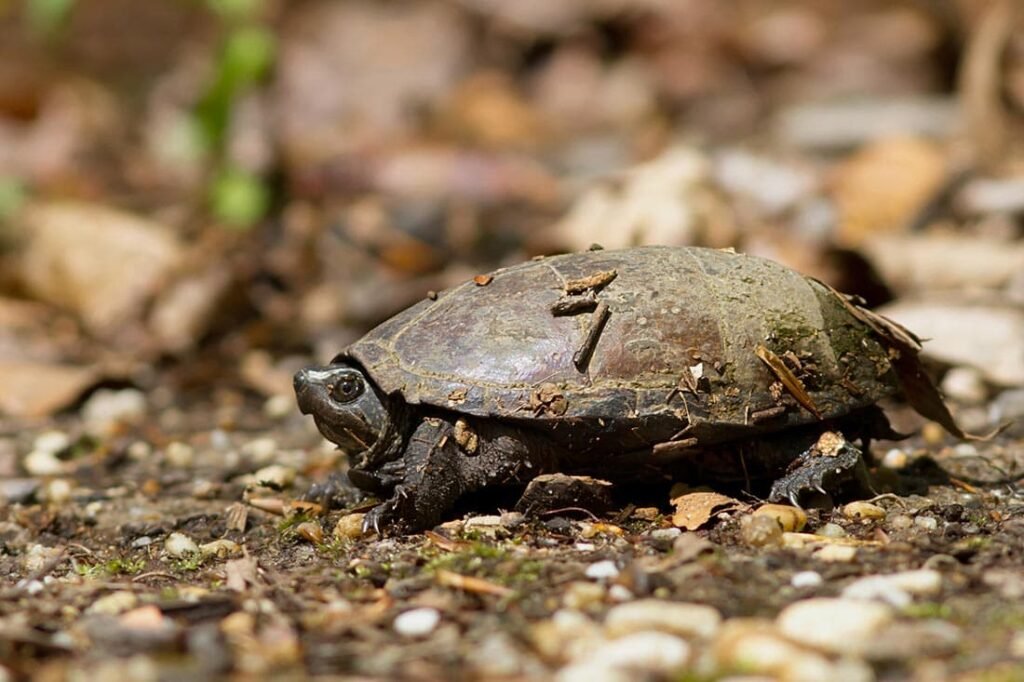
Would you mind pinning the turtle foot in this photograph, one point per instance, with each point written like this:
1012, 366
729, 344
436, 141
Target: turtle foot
334, 492
823, 467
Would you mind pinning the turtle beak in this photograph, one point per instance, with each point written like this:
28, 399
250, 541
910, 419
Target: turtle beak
304, 391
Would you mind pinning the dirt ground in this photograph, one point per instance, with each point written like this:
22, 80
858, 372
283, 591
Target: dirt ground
199, 198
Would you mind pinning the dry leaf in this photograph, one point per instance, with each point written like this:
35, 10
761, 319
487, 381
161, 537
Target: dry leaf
35, 389
788, 379
695, 509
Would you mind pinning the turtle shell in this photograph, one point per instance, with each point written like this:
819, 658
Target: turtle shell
691, 334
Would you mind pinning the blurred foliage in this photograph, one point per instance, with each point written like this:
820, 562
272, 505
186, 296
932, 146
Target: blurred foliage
45, 17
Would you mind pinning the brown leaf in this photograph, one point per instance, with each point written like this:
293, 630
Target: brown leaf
239, 574
695, 509
788, 379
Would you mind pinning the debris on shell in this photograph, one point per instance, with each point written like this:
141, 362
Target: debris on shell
590, 283
548, 399
465, 436
483, 280
789, 380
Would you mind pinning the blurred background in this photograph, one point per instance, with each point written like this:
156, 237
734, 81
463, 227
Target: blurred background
211, 193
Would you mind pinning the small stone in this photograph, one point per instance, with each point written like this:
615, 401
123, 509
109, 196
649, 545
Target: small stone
139, 451
933, 433
489, 525
279, 406
655, 652
417, 622
896, 589
926, 522
901, 522
567, 635
620, 593
276, 476
106, 408
179, 455
806, 579
38, 556
965, 385
310, 531
754, 646
760, 530
260, 449
179, 546
349, 526
591, 672
114, 603
840, 626
51, 441
863, 510
838, 554
677, 618
790, 519
56, 491
831, 530
895, 459
581, 596
220, 549
141, 541
43, 463
602, 570
646, 513
664, 534
512, 519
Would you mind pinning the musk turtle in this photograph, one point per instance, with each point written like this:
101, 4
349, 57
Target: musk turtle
688, 361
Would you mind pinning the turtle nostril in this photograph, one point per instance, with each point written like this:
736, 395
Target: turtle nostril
301, 384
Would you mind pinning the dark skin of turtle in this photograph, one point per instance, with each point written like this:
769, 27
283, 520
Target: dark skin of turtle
653, 361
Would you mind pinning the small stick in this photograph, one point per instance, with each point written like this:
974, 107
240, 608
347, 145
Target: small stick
581, 357
674, 447
570, 305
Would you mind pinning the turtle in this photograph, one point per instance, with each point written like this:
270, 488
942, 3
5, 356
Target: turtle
644, 361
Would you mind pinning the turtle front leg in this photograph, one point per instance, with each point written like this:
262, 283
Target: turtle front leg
823, 466
445, 459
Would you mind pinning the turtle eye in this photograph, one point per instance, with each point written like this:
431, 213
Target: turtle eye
347, 389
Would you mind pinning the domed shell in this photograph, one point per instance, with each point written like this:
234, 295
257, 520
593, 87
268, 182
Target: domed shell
689, 332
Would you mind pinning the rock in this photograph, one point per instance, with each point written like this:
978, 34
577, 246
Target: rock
567, 635
602, 570
275, 476
106, 408
806, 579
677, 618
790, 519
114, 603
56, 491
928, 523
592, 672
988, 337
417, 622
895, 459
896, 589
839, 626
349, 526
863, 510
839, 554
907, 641
179, 455
180, 546
932, 262
831, 530
489, 525
42, 463
220, 549
655, 652
260, 450
965, 385
581, 596
51, 441
558, 491
760, 530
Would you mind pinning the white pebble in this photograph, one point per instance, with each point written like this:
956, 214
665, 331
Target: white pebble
806, 579
179, 455
602, 570
43, 463
584, 546
895, 459
590, 672
179, 546
664, 533
417, 622
221, 549
926, 522
896, 589
678, 618
260, 449
620, 593
279, 406
647, 651
841, 626
965, 385
51, 441
56, 491
275, 476
581, 595
831, 530
114, 603
140, 450
108, 407
839, 554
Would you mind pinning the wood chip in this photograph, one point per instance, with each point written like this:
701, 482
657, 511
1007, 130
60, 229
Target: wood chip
593, 282
483, 280
581, 358
273, 505
789, 380
444, 543
468, 583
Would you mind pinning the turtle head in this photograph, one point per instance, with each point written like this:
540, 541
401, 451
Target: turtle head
346, 406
